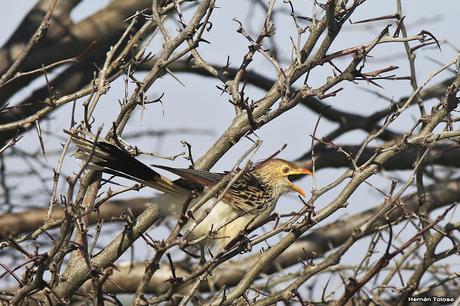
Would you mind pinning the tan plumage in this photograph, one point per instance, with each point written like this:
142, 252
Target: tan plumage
249, 200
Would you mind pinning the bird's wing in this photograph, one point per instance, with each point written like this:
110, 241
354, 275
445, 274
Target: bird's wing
201, 177
247, 194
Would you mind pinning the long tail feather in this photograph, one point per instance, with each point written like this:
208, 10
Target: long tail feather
111, 159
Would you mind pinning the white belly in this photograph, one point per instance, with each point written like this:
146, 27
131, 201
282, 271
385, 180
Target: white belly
222, 224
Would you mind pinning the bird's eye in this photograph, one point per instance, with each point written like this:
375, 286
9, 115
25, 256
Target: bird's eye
285, 169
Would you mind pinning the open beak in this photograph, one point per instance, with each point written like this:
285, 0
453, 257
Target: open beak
299, 171
298, 189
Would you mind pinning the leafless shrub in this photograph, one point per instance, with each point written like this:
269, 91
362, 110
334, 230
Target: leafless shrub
58, 244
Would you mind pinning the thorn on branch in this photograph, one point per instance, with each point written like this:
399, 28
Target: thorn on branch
399, 26
174, 280
331, 94
424, 32
189, 150
386, 17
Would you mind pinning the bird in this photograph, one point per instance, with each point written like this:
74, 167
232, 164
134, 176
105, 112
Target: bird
249, 200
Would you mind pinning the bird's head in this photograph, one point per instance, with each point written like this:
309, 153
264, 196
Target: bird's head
276, 172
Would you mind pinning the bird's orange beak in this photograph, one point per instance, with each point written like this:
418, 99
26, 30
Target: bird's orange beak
299, 171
